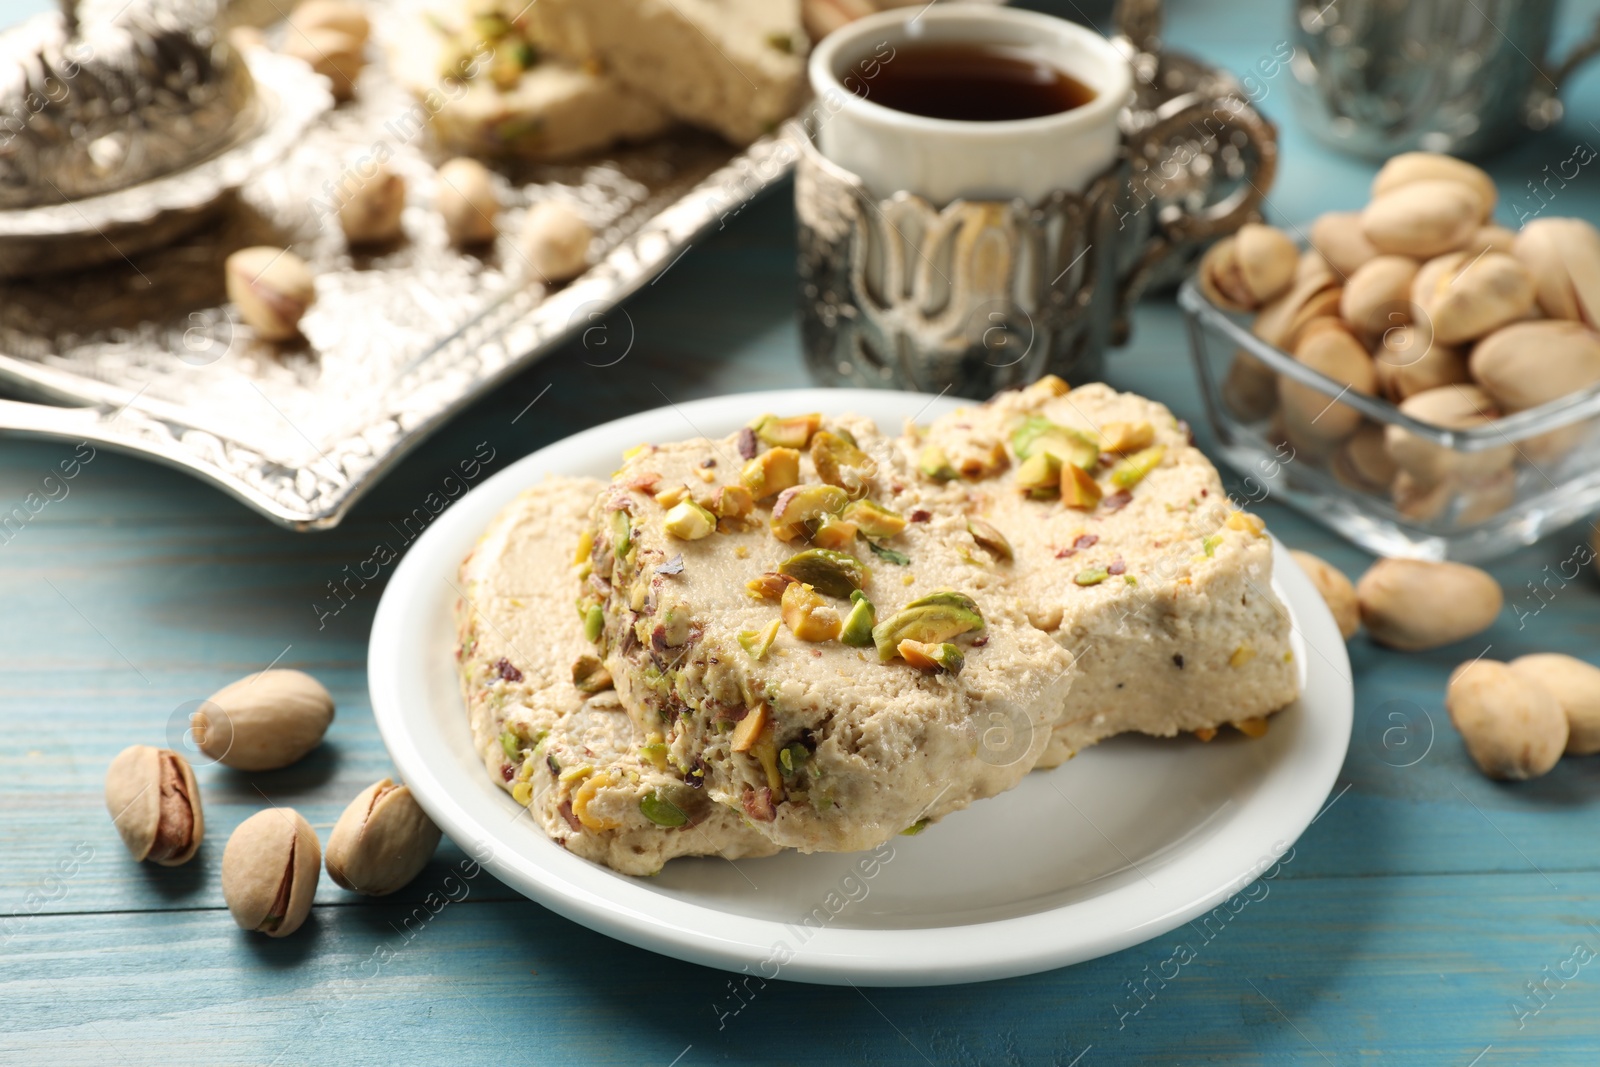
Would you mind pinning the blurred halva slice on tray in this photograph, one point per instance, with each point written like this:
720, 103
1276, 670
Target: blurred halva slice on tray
493, 86
733, 66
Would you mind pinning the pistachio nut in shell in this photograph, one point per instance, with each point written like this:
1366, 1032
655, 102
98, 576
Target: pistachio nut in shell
1513, 727
1377, 297
270, 870
264, 721
1280, 322
1563, 256
340, 15
1338, 592
1531, 363
1313, 266
272, 288
1422, 219
1363, 462
1576, 686
334, 54
1409, 167
382, 840
555, 241
371, 211
1464, 296
466, 199
1414, 605
1252, 267
155, 804
1337, 236
1312, 414
1449, 407
1493, 239
1409, 361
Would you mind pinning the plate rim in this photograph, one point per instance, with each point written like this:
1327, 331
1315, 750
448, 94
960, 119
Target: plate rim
1274, 817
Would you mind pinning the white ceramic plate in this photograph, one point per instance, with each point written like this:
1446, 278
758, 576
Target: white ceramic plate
1127, 841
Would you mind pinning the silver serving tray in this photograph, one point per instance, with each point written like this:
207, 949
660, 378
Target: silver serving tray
144, 356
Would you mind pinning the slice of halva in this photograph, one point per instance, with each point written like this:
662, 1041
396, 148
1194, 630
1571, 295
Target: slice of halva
1134, 560
544, 719
490, 86
835, 668
733, 66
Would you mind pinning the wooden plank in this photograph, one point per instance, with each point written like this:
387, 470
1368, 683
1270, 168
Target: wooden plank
1429, 970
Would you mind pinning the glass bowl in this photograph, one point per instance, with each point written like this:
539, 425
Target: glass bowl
1504, 484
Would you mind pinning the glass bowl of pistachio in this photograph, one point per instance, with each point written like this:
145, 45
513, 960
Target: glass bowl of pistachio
1423, 381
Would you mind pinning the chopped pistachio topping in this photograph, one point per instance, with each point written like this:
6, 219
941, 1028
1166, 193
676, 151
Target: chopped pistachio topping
1131, 471
832, 573
656, 753
989, 539
594, 621
688, 521
915, 828
661, 811
807, 616
926, 656
1079, 489
932, 619
771, 472
934, 463
839, 462
799, 506
1092, 576
875, 520
621, 533
1244, 521
510, 744
858, 625
757, 644
1038, 436
792, 432
585, 546
1210, 545
1040, 474
793, 758
899, 559
834, 532
1126, 437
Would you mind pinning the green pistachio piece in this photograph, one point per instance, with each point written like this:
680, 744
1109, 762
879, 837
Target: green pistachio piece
771, 472
875, 520
1131, 471
1038, 434
1040, 474
792, 432
621, 533
835, 574
594, 621
661, 811
793, 758
899, 559
929, 620
510, 745
840, 462
688, 521
936, 465
589, 675
757, 644
858, 624
915, 828
1092, 576
989, 539
1210, 545
801, 504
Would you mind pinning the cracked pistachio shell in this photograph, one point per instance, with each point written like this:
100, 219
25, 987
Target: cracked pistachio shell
1337, 236
371, 213
466, 199
555, 241
382, 840
272, 288
1412, 167
270, 870
1377, 297
265, 721
1363, 462
1311, 415
1252, 267
1513, 726
1451, 407
1464, 296
155, 804
1414, 605
1281, 322
1409, 361
1423, 219
1563, 256
1531, 363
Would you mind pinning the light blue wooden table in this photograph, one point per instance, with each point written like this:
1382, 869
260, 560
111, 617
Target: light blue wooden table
1410, 927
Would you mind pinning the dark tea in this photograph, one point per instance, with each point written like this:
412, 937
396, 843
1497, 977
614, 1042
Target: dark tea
974, 83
